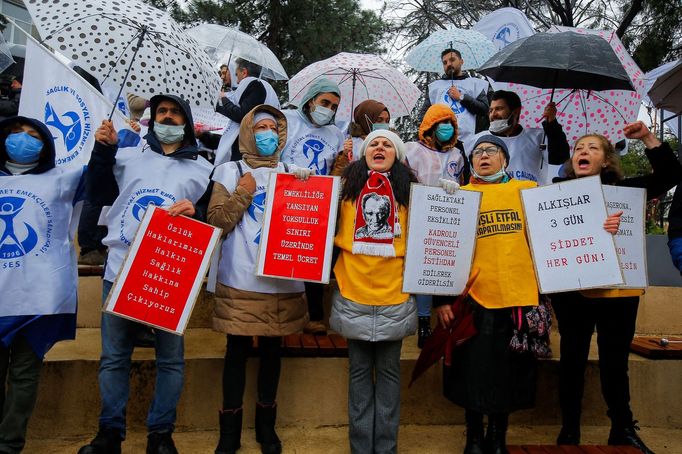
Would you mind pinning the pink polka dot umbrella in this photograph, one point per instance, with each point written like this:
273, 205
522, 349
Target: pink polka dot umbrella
360, 77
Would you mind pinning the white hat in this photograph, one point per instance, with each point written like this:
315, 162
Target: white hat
390, 135
262, 115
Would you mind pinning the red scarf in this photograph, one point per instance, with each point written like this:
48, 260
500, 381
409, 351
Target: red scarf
376, 218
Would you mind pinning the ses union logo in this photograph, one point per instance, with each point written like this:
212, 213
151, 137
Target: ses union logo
22, 233
137, 206
68, 117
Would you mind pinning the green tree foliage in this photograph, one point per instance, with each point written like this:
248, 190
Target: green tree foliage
299, 32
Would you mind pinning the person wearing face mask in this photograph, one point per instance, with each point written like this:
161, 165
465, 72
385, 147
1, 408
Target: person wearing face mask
466, 96
369, 308
612, 312
248, 305
316, 143
368, 116
251, 91
437, 159
491, 374
166, 171
38, 270
529, 158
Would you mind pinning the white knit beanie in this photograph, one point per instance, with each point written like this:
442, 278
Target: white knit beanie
398, 144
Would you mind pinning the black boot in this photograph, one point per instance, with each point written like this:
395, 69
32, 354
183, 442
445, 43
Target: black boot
626, 435
424, 330
266, 415
474, 421
230, 431
569, 436
495, 439
161, 443
107, 441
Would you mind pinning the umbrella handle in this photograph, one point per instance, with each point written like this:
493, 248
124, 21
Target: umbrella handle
132, 60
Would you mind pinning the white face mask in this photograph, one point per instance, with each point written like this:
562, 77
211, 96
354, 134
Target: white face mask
321, 115
497, 176
500, 126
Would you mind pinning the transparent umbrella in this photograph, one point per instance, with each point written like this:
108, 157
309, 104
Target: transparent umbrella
224, 43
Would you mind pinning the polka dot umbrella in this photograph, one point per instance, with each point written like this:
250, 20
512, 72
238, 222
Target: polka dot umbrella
360, 77
130, 44
581, 111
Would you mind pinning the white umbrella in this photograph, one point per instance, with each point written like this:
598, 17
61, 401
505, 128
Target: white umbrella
475, 48
223, 43
6, 59
130, 44
360, 77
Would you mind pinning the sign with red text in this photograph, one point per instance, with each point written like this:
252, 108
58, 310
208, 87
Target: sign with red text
571, 250
298, 228
630, 239
163, 272
440, 244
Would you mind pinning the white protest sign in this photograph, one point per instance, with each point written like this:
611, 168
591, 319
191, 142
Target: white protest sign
440, 244
630, 239
571, 250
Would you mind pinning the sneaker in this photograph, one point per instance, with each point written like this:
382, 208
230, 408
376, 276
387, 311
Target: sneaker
92, 258
627, 436
315, 327
107, 441
161, 443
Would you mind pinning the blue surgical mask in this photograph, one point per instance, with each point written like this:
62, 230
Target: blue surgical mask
23, 148
266, 142
378, 126
444, 132
169, 133
321, 115
497, 177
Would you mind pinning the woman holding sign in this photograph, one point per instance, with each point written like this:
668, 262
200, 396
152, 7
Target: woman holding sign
370, 309
612, 311
248, 305
490, 374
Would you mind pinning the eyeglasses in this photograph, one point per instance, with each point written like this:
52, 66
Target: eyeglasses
489, 151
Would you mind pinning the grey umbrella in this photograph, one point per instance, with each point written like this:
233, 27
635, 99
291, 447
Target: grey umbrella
559, 60
666, 93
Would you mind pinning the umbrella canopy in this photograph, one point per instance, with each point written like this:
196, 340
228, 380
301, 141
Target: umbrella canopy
130, 44
223, 43
360, 77
6, 59
582, 111
474, 46
559, 60
666, 92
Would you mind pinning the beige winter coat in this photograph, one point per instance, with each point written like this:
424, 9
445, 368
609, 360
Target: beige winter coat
243, 312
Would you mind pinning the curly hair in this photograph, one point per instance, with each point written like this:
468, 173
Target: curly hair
356, 174
612, 172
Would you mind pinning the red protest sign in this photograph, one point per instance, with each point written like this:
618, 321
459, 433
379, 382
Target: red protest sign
298, 228
162, 274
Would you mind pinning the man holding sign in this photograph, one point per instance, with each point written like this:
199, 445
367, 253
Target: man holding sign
168, 172
612, 311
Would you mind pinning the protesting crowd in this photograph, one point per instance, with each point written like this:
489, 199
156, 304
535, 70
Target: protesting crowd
470, 137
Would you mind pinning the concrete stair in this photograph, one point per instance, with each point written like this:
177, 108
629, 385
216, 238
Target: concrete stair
313, 391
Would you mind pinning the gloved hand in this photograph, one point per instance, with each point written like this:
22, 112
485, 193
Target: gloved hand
302, 173
449, 186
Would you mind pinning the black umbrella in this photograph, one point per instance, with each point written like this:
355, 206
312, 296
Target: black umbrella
559, 60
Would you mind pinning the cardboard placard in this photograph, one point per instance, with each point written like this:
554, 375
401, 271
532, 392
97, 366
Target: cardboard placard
571, 250
440, 244
298, 228
162, 275
630, 239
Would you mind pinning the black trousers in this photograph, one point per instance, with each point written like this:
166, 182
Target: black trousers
90, 235
234, 370
314, 293
614, 319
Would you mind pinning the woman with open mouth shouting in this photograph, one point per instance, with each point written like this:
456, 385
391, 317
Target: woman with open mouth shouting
612, 311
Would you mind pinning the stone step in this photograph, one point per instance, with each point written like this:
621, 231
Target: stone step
412, 439
313, 391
